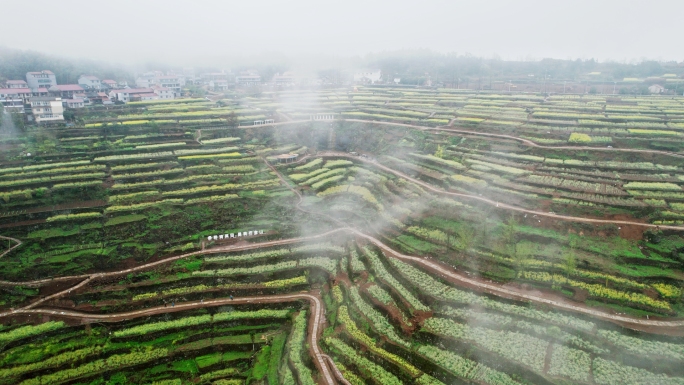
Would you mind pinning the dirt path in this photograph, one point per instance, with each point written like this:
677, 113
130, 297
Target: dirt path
522, 140
499, 290
316, 319
499, 205
441, 269
221, 249
18, 243
654, 326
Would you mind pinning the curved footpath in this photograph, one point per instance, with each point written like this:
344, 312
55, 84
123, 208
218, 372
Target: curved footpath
494, 203
499, 290
18, 243
454, 277
521, 140
220, 249
485, 134
316, 319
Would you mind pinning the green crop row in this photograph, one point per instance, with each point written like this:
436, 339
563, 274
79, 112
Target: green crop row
199, 320
429, 285
382, 273
73, 217
112, 363
377, 319
366, 367
295, 347
134, 156
596, 290
140, 206
358, 335
51, 179
43, 166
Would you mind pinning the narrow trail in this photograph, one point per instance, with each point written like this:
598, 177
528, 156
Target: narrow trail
448, 272
220, 249
16, 241
317, 316
495, 203
316, 319
449, 128
499, 290
528, 142
496, 289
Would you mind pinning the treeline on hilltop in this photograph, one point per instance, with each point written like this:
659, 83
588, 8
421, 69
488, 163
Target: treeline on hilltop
14, 64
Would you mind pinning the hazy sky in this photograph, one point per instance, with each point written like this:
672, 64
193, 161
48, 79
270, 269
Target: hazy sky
190, 32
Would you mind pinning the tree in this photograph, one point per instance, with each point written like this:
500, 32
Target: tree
439, 153
232, 119
509, 229
467, 237
523, 250
569, 263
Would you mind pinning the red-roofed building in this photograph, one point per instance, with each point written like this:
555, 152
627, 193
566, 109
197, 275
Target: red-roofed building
163, 92
89, 82
125, 95
22, 93
16, 84
111, 84
100, 98
66, 91
73, 103
143, 97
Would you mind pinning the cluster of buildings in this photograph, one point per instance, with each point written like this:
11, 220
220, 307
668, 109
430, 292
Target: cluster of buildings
43, 100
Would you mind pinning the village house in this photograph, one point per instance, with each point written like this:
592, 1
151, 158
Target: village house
16, 84
73, 103
66, 90
42, 79
47, 109
89, 82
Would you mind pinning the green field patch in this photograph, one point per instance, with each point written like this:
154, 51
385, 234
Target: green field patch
52, 233
125, 219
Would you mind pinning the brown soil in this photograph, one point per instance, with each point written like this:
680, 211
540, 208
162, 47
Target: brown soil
581, 295
394, 313
22, 223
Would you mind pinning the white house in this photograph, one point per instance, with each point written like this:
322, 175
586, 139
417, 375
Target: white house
164, 92
42, 79
47, 109
368, 76
74, 103
89, 82
16, 84
656, 89
125, 95
110, 84
66, 90
22, 93
248, 78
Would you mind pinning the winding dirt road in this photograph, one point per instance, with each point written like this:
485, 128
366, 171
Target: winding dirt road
18, 243
499, 205
316, 319
485, 134
521, 140
455, 277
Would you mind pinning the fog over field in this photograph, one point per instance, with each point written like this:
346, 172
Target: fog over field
341, 192
202, 32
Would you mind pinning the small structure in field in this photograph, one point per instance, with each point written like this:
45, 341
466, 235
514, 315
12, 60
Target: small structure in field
287, 158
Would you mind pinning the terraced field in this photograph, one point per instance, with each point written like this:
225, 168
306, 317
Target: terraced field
478, 239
